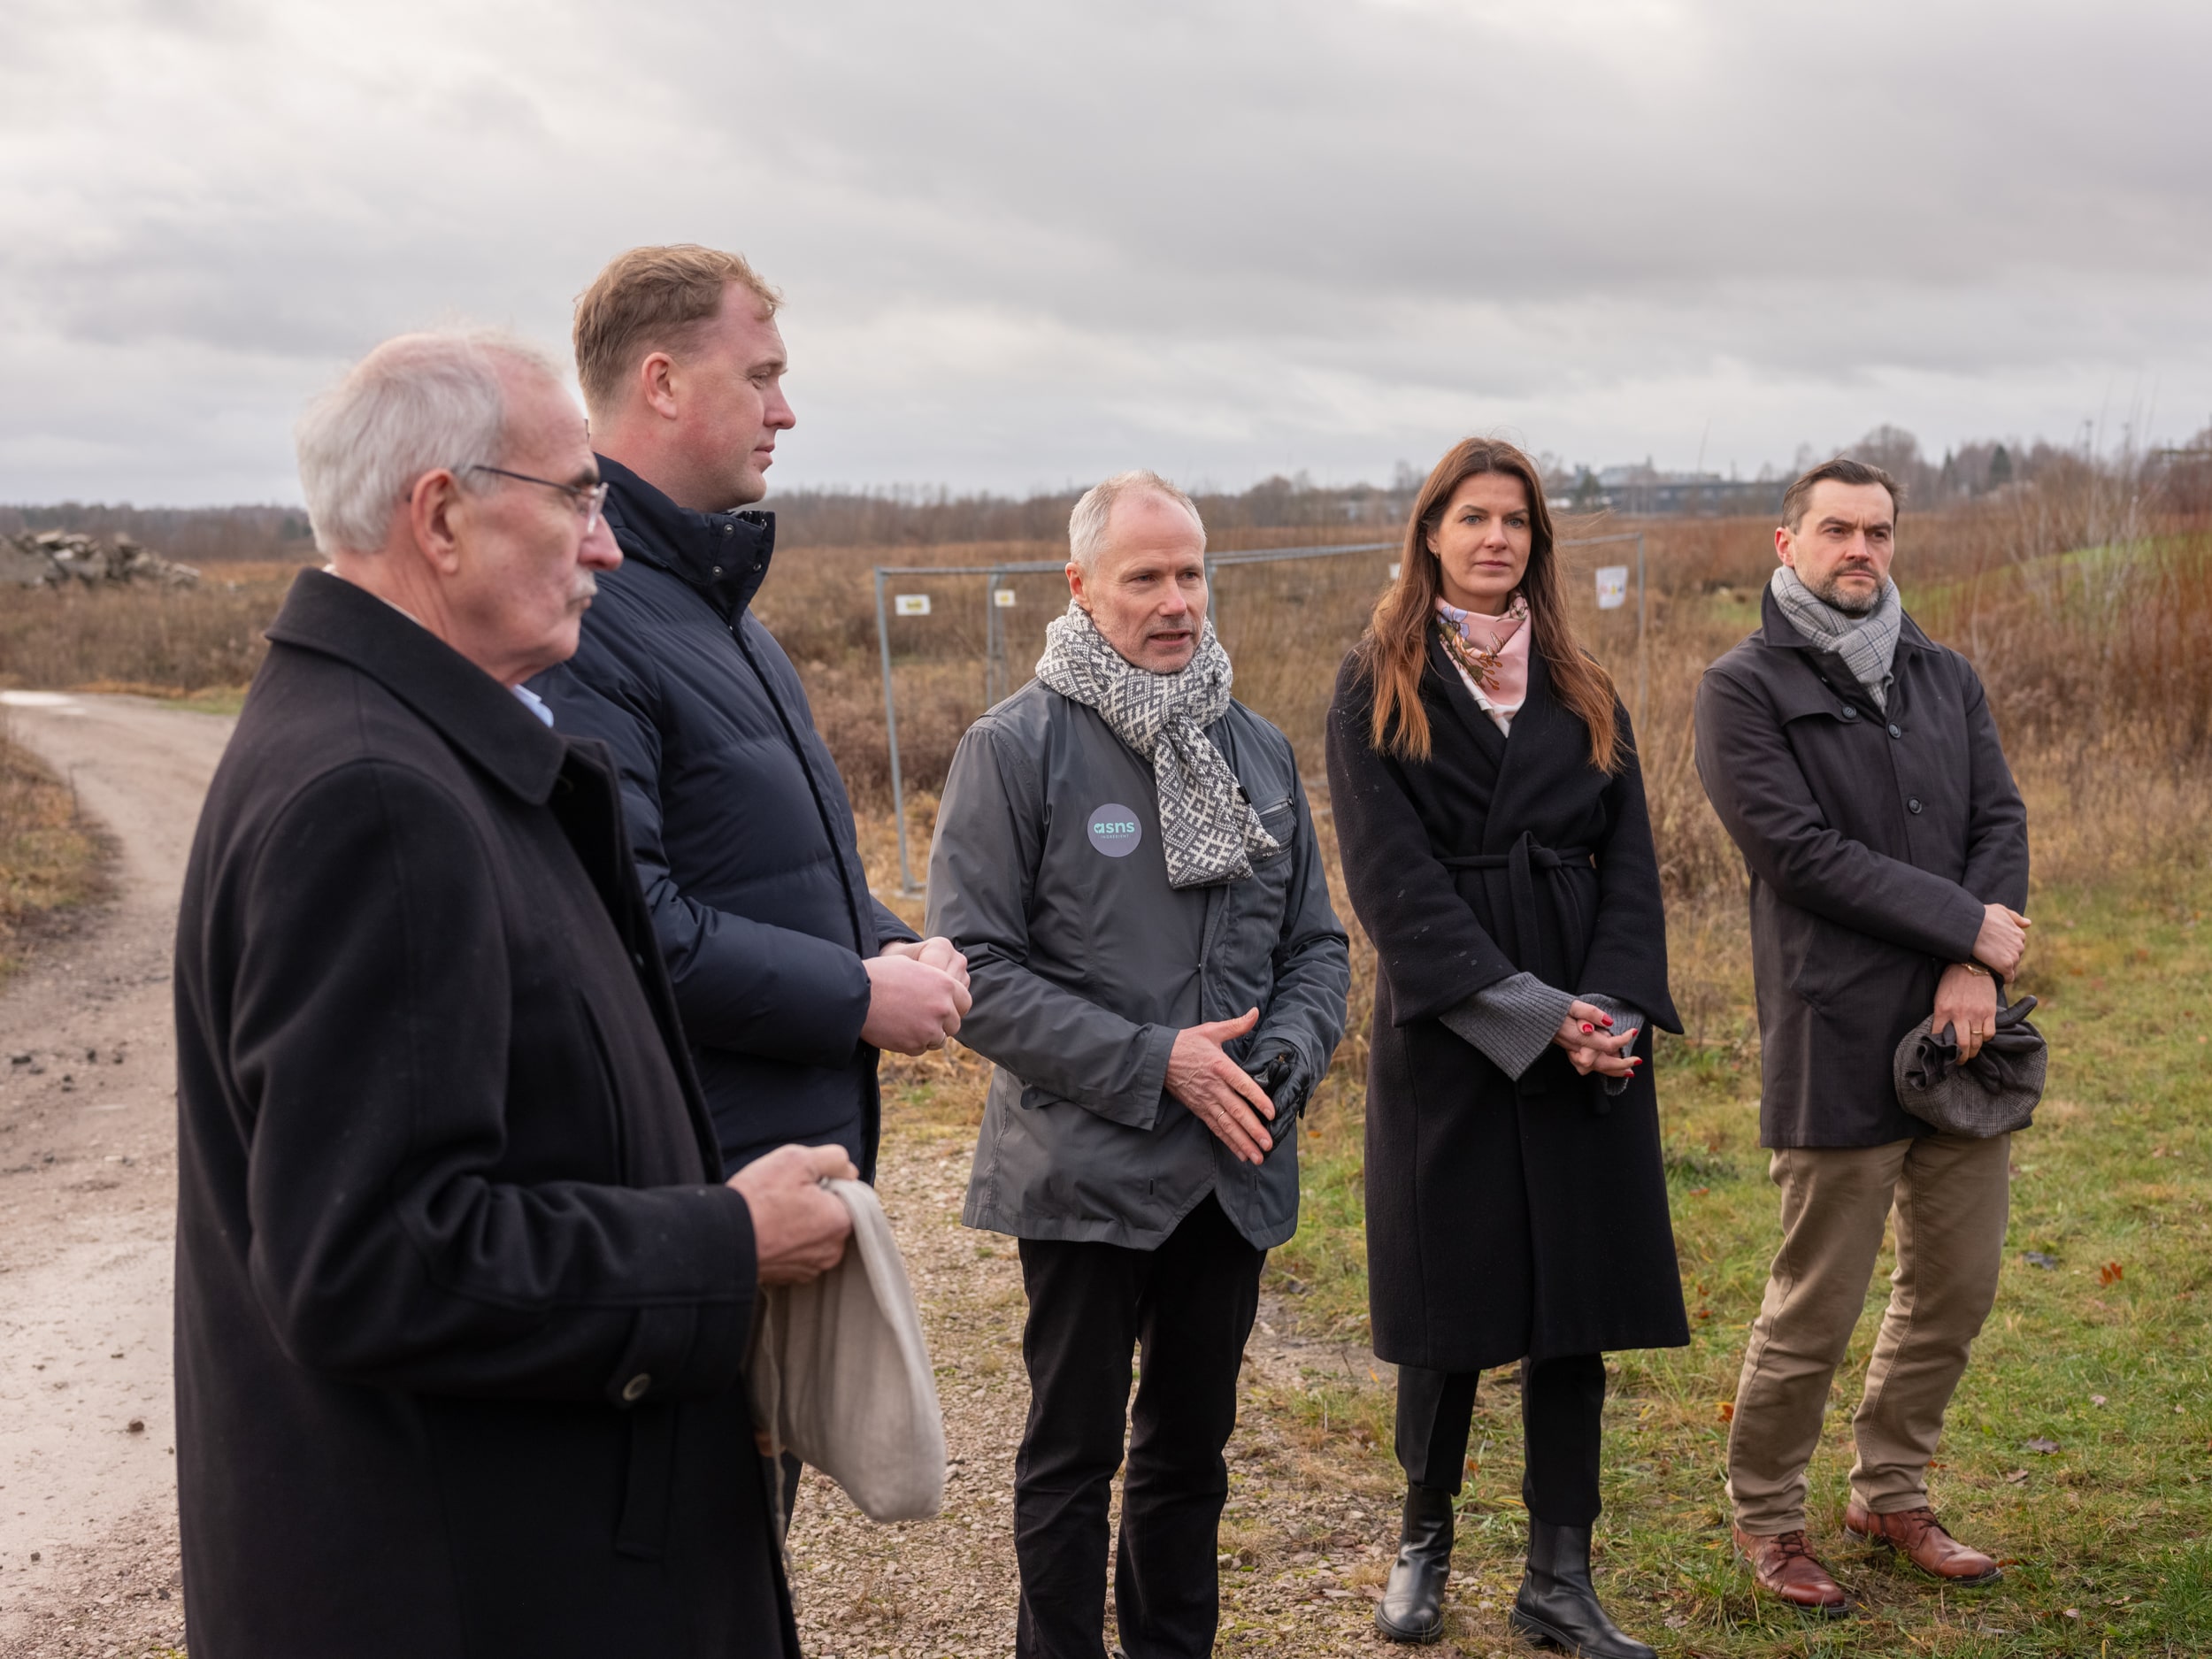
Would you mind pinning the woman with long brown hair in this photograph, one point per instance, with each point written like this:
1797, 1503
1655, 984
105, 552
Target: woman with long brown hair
1491, 817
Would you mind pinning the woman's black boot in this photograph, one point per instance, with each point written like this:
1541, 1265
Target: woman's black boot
1557, 1606
1412, 1607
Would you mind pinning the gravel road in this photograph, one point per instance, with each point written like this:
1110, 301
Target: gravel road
88, 1202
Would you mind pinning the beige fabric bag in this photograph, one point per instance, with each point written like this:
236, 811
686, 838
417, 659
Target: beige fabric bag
841, 1376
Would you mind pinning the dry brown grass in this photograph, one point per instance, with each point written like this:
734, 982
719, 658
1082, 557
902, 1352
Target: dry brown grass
2088, 615
170, 640
50, 857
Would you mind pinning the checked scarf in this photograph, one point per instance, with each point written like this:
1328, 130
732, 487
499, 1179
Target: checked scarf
1868, 644
1207, 829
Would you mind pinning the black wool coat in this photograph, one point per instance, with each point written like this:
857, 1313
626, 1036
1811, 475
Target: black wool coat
461, 1303
1874, 838
741, 825
1504, 1218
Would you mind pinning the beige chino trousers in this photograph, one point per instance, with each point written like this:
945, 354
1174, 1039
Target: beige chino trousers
1951, 1197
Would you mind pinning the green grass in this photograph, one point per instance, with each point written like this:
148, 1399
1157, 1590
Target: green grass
2106, 1538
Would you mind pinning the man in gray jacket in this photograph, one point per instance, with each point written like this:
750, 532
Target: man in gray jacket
1125, 858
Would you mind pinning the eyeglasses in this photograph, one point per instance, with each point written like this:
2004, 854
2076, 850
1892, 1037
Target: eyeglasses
589, 499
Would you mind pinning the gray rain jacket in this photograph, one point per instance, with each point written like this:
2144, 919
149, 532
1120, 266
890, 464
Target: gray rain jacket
1047, 873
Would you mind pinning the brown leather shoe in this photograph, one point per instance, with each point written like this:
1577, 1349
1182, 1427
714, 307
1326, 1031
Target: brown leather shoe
1921, 1539
1784, 1565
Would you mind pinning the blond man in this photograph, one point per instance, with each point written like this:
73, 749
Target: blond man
790, 975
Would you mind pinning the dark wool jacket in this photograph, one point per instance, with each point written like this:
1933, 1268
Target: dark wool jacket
1874, 839
742, 830
461, 1303
1504, 1218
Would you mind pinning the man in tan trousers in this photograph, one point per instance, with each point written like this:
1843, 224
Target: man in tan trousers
1856, 764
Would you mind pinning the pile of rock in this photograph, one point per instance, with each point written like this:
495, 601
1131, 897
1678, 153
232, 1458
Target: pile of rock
54, 559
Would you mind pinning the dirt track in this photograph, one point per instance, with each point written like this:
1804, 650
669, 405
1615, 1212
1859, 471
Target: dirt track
87, 1200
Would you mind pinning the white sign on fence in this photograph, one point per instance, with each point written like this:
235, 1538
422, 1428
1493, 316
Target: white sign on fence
1002, 597
1612, 587
913, 604
1394, 568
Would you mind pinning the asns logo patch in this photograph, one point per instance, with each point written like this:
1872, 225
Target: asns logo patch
1115, 831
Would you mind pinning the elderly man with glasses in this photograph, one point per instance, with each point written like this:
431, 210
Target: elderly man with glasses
463, 1298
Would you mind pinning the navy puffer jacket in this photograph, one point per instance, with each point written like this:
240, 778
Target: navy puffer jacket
741, 827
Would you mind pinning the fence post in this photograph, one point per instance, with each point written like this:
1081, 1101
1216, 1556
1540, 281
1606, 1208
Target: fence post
993, 643
1643, 618
907, 885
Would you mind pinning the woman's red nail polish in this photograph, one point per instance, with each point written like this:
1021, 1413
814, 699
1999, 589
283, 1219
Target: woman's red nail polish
1586, 1027
1607, 1019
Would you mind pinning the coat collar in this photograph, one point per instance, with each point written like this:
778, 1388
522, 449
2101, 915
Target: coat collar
723, 555
473, 712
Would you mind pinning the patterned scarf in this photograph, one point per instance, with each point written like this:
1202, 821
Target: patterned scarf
1492, 651
1207, 829
1868, 644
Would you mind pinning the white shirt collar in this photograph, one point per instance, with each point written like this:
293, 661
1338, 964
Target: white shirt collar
531, 701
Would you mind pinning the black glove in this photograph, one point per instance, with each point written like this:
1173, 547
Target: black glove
1283, 1075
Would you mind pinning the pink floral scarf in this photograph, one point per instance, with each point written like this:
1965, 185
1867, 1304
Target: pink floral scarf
1490, 651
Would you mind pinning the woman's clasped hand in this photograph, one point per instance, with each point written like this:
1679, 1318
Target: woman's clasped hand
1592, 1045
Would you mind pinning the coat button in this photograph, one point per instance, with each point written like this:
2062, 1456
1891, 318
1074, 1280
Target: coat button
635, 1389
1893, 731
729, 529
1850, 713
1913, 805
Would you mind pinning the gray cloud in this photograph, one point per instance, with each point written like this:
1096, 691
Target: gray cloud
1027, 243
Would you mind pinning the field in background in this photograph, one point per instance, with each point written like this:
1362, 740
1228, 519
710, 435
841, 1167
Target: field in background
2088, 610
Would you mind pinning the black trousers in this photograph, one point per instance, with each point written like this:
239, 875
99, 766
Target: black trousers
1561, 1403
1186, 1309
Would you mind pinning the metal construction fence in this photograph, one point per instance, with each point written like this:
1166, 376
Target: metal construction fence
1286, 615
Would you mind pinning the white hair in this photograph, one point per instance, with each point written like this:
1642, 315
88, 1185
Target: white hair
1086, 525
416, 403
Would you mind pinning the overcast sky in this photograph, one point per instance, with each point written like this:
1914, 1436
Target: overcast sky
1026, 244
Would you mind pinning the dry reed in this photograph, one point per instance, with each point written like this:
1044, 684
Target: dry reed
48, 855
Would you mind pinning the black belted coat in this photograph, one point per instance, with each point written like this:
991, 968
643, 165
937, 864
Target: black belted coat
1504, 1218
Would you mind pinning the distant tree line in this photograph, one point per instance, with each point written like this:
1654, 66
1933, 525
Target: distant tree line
2182, 477
934, 517
1275, 510
189, 534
